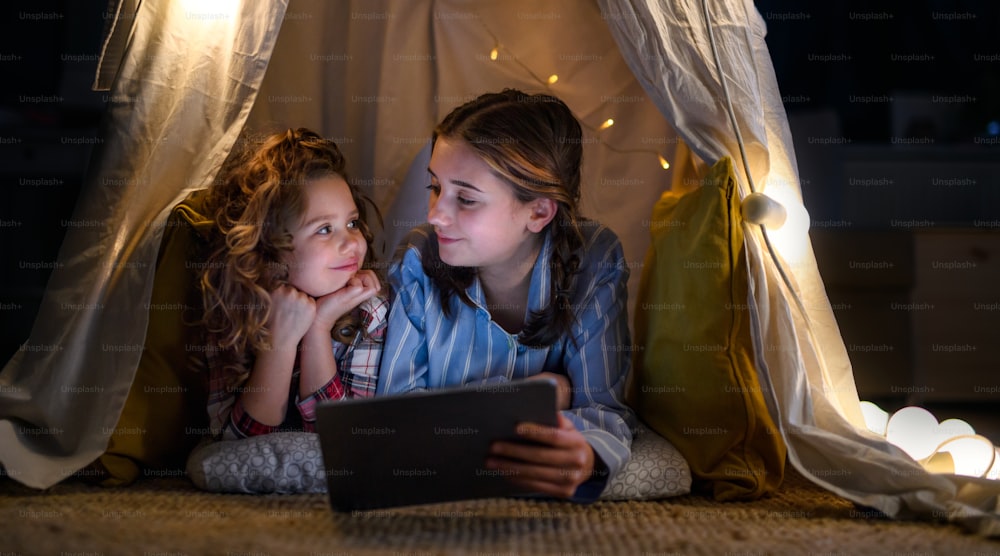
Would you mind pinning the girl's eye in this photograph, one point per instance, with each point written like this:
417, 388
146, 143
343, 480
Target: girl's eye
353, 224
435, 190
324, 230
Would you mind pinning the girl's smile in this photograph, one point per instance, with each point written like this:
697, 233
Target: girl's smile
327, 244
478, 220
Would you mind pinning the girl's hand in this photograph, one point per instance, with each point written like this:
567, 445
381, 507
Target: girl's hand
332, 306
559, 462
292, 312
564, 392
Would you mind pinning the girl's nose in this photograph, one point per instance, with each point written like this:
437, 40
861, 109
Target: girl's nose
436, 215
352, 244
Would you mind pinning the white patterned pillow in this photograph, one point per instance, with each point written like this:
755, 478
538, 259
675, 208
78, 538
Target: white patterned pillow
655, 470
292, 462
280, 463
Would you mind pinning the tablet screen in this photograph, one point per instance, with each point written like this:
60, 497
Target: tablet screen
427, 446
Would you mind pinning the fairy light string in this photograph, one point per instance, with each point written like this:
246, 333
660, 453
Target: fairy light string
495, 55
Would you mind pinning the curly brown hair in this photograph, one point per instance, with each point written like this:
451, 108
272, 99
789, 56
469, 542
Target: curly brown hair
534, 143
253, 204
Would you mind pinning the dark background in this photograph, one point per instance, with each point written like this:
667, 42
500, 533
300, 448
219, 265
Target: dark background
48, 68
871, 33
837, 59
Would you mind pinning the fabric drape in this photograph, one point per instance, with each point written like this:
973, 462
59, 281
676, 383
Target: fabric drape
377, 75
676, 49
184, 90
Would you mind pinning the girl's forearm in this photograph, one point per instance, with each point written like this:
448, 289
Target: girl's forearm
265, 393
317, 365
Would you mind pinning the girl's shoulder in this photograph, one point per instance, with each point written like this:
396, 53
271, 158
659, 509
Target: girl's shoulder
415, 243
409, 255
599, 240
602, 258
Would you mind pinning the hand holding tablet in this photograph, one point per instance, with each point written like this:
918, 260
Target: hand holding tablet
430, 446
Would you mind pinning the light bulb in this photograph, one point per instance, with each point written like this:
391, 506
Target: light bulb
950, 428
994, 472
553, 78
763, 210
663, 162
939, 462
913, 430
494, 54
792, 238
973, 454
875, 417
607, 123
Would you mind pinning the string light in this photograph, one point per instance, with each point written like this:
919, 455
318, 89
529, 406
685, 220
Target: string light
552, 80
951, 446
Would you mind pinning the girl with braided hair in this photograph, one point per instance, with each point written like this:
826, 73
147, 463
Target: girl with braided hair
506, 281
292, 310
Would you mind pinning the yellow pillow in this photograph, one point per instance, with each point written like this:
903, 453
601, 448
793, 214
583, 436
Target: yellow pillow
164, 414
695, 381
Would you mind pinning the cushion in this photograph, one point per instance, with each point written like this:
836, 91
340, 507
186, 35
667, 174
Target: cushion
279, 463
655, 470
695, 382
292, 462
165, 414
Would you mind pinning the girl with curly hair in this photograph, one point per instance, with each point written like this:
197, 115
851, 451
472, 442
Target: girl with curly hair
291, 298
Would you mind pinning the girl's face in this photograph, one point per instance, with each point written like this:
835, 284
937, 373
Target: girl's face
328, 246
478, 220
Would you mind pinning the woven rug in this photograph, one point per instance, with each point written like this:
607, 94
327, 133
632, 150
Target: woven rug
167, 516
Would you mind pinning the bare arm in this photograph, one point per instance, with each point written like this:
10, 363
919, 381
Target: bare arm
317, 364
265, 394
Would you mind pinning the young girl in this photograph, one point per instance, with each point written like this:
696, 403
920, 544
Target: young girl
506, 281
290, 298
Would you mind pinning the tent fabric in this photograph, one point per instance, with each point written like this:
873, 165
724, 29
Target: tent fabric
364, 73
182, 95
375, 77
118, 27
669, 46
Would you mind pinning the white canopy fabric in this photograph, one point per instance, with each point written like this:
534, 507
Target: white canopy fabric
375, 77
691, 56
174, 114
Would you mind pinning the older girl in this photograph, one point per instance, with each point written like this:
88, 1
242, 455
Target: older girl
507, 281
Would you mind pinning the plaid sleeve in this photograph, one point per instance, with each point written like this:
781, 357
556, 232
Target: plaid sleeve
358, 365
242, 425
332, 390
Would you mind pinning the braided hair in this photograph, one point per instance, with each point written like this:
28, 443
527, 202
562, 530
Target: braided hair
534, 143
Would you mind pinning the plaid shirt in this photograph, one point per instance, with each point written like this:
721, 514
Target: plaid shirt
357, 373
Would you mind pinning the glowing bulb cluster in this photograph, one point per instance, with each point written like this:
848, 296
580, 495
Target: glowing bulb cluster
951, 446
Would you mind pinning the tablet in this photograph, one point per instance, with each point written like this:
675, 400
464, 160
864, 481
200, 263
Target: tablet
425, 447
